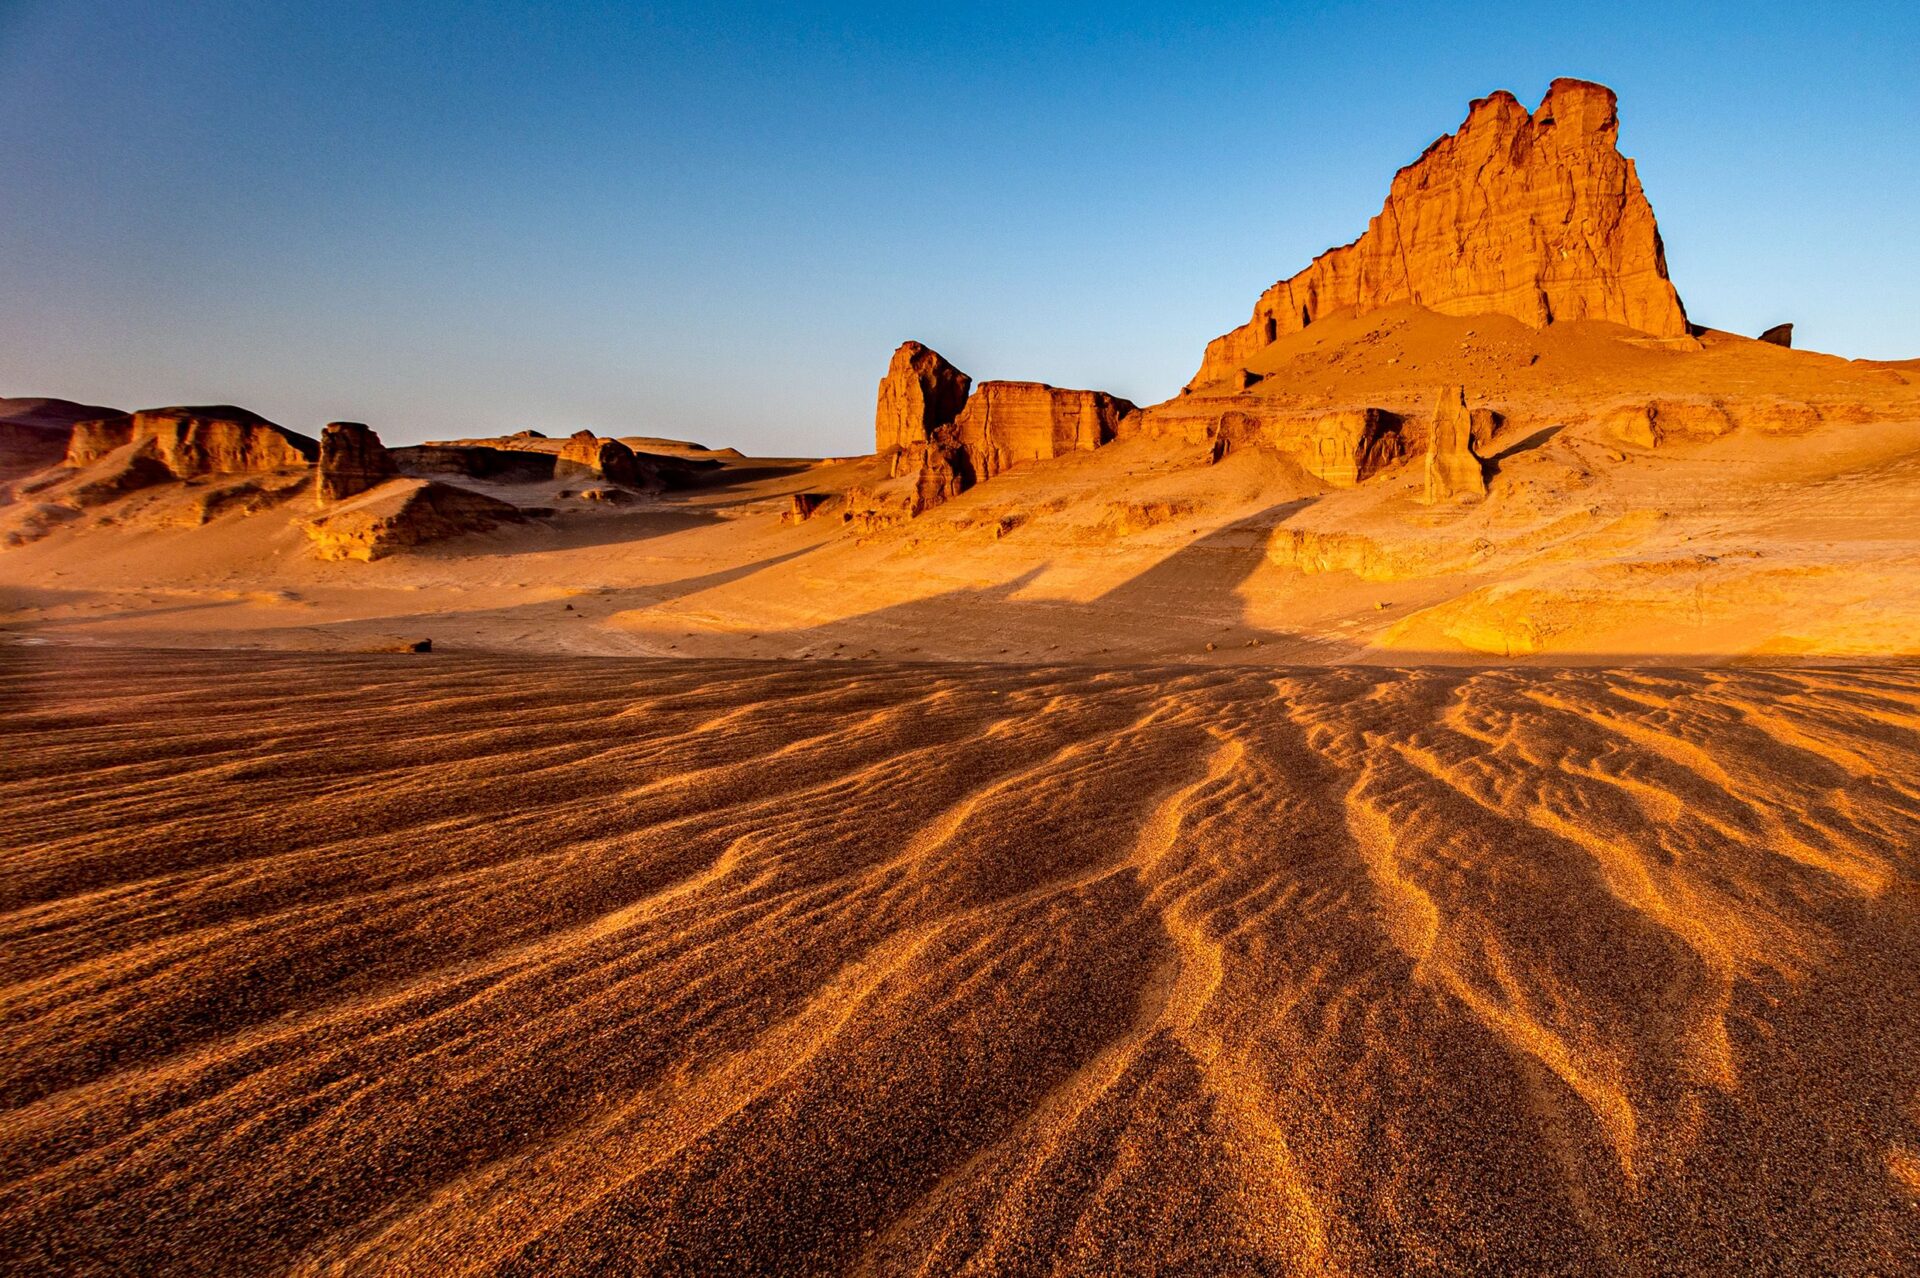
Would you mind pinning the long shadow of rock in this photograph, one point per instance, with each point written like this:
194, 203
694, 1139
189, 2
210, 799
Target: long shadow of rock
1170, 611
570, 531
547, 625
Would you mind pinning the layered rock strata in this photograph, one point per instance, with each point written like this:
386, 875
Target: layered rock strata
1007, 423
1341, 448
586, 456
352, 460
920, 393
1536, 215
938, 441
1454, 469
216, 440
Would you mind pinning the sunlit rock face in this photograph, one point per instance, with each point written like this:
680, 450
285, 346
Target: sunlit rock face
1006, 423
352, 460
1342, 448
587, 456
939, 441
1534, 215
195, 441
920, 393
1454, 469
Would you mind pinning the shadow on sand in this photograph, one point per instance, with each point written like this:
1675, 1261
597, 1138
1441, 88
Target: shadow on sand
1171, 610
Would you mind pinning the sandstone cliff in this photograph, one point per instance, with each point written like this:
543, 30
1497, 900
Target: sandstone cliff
352, 460
189, 442
505, 465
936, 450
1342, 448
1006, 423
920, 393
1534, 215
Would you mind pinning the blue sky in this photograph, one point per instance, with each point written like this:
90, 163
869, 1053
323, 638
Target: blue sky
716, 221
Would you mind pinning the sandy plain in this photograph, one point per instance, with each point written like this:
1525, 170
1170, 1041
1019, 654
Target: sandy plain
337, 963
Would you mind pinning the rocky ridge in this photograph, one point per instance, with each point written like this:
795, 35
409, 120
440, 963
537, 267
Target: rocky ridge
1536, 215
190, 442
938, 441
352, 460
1532, 216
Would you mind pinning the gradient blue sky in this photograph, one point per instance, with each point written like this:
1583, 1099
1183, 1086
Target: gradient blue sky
716, 221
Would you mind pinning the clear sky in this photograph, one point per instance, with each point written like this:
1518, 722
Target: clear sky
717, 221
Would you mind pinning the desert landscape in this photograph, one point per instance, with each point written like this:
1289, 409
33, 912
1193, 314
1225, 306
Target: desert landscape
1439, 794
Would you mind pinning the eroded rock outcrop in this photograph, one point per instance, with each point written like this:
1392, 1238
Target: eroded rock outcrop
920, 393
92, 440
475, 461
120, 472
1664, 421
402, 513
587, 456
194, 442
1454, 469
1002, 425
1778, 335
1341, 448
35, 432
1536, 215
803, 506
216, 440
1007, 423
352, 460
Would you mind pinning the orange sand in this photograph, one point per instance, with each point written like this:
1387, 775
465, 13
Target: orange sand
462, 964
1765, 545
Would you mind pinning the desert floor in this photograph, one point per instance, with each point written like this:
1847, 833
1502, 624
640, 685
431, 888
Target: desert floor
1786, 540
327, 962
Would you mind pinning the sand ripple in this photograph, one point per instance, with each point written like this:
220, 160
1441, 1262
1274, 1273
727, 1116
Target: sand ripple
334, 964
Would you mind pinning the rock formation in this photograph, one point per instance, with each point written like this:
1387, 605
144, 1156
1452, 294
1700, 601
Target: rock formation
94, 439
1453, 468
802, 506
35, 432
920, 393
930, 460
1537, 216
1779, 335
189, 442
402, 513
475, 461
1006, 423
586, 456
1486, 424
1663, 421
352, 460
1341, 448
120, 472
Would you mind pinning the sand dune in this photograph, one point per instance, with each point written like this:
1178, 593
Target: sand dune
355, 964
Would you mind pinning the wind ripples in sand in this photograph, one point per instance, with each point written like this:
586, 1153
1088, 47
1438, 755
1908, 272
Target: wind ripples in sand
338, 964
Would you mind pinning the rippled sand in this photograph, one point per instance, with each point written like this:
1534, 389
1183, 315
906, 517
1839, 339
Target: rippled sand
444, 965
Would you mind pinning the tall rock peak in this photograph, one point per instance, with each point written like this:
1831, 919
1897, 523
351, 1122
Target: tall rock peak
1535, 214
920, 393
